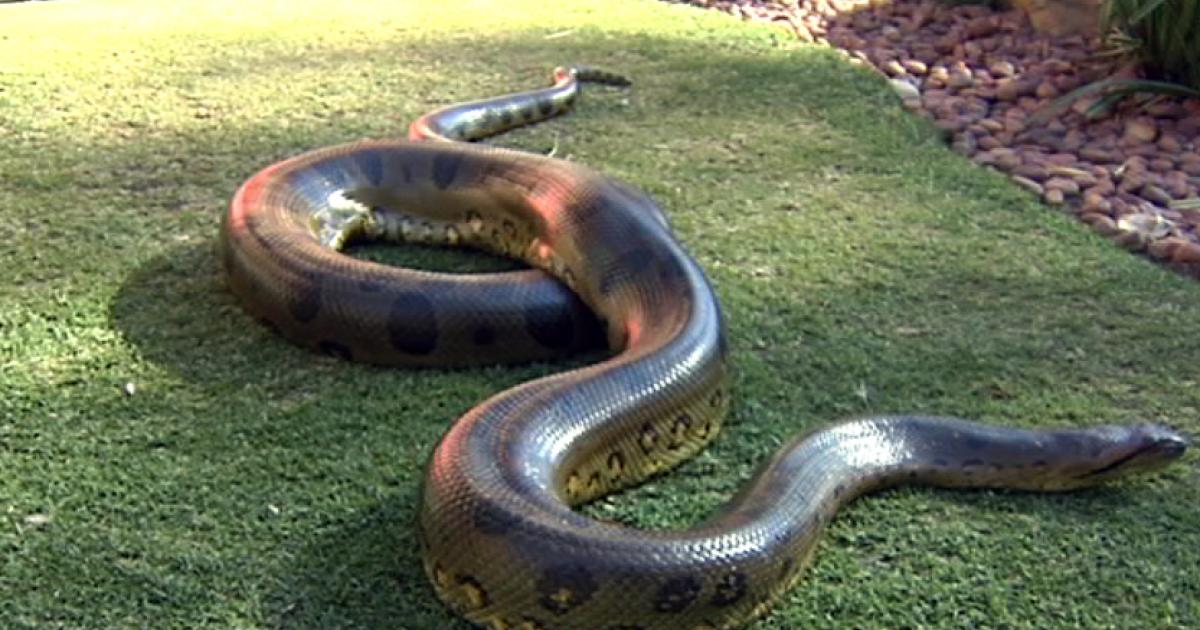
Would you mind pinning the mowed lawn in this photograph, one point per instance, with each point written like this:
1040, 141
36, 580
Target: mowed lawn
167, 462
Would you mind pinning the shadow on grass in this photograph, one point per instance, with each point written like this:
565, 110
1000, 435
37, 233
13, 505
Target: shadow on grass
362, 573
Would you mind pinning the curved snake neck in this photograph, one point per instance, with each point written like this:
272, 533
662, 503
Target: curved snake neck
501, 543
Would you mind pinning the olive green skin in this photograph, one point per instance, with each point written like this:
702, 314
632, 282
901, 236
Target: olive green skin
501, 543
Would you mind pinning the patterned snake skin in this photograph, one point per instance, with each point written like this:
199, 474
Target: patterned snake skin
500, 540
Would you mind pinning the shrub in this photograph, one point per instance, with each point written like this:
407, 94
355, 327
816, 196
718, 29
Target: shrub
1163, 34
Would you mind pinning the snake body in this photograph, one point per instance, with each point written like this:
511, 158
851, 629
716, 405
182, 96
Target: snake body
501, 543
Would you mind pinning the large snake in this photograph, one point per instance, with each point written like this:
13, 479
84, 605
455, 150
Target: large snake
501, 543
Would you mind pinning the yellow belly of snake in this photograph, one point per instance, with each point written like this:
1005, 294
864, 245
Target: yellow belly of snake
501, 543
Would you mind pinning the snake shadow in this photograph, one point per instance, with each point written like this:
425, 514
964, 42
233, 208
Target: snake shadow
363, 572
175, 310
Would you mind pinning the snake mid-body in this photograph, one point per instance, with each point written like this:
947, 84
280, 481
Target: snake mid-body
500, 540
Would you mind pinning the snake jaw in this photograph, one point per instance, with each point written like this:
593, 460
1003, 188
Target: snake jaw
342, 219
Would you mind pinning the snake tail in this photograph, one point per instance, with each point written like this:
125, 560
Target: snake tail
479, 119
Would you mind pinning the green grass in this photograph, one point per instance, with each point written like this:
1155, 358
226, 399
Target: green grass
863, 267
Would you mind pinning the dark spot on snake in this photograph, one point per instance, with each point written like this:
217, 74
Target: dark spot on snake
546, 107
972, 462
474, 591
649, 438
528, 111
484, 335
839, 490
676, 594
729, 589
492, 520
531, 623
616, 463
786, 568
549, 326
1041, 463
976, 444
506, 118
595, 481
367, 286
307, 304
335, 349
445, 167
570, 100
510, 228
564, 587
679, 431
412, 324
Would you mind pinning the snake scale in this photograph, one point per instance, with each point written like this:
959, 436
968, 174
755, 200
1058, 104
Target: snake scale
501, 543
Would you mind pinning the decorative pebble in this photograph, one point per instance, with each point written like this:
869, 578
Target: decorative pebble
979, 74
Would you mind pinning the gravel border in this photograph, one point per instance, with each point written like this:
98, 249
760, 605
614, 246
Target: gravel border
980, 74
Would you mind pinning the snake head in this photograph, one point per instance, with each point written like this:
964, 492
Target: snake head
1132, 449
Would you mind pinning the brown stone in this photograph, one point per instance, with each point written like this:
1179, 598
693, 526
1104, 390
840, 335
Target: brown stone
991, 124
1067, 82
1161, 165
1164, 249
1139, 130
894, 68
1027, 183
1035, 172
1054, 197
1156, 194
1095, 202
1100, 222
1062, 162
915, 66
987, 142
1063, 17
1067, 186
1104, 186
1097, 154
1186, 253
1189, 166
981, 27
1176, 183
1012, 89
1133, 241
1002, 68
1002, 157
1170, 143
1046, 90
1131, 181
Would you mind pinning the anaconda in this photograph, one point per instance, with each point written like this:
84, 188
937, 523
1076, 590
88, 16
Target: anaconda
501, 542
